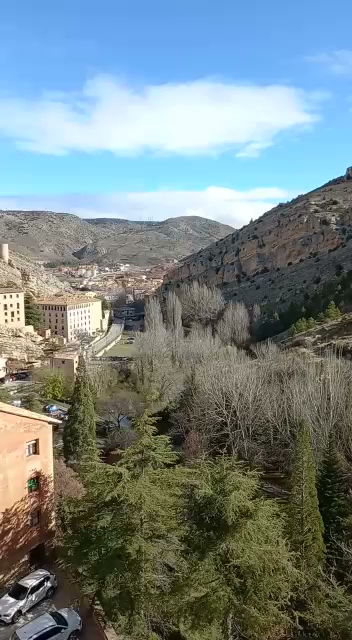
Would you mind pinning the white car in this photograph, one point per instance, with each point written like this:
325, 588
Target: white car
26, 593
64, 624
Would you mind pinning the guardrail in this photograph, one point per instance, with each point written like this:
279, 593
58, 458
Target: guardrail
114, 334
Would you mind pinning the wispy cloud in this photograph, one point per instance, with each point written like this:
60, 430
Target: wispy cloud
217, 203
197, 117
337, 62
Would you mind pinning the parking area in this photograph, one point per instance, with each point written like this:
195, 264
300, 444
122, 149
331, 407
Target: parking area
66, 595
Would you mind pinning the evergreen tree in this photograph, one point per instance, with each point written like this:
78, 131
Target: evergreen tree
54, 386
239, 572
332, 312
127, 555
32, 403
31, 311
305, 522
333, 505
79, 437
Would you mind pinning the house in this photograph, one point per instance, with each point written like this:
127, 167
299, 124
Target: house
26, 489
71, 317
12, 307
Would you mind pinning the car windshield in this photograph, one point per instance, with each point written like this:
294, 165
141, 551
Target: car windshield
59, 619
18, 591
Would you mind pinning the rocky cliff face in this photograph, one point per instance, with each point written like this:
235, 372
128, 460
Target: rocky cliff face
27, 274
288, 251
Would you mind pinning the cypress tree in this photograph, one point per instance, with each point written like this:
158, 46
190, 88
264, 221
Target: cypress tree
79, 437
31, 311
333, 505
305, 522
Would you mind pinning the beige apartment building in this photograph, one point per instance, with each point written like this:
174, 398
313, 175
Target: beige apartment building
71, 317
26, 489
12, 307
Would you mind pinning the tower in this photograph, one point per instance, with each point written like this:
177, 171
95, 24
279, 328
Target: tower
4, 252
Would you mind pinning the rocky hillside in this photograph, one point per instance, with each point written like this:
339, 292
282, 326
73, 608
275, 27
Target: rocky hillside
283, 256
332, 336
27, 274
47, 235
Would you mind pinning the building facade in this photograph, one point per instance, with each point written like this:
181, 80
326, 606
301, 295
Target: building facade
67, 363
26, 489
71, 317
12, 307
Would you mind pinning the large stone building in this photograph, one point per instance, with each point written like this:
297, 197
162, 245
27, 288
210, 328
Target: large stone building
26, 489
71, 317
12, 307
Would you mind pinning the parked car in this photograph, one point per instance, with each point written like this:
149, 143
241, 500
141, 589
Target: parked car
64, 624
26, 593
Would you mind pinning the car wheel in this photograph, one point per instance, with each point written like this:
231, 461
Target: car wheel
73, 636
50, 592
16, 616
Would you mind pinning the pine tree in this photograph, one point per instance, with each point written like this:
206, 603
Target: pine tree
333, 505
79, 437
127, 555
332, 312
305, 522
239, 572
31, 311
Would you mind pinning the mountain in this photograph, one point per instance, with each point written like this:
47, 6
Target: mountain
48, 235
284, 256
22, 271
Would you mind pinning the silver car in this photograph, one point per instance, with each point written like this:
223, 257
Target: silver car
64, 624
26, 593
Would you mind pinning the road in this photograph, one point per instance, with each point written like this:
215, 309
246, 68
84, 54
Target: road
66, 595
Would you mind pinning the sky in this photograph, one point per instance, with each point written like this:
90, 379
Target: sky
148, 110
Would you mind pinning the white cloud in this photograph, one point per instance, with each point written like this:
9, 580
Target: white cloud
198, 117
338, 62
217, 203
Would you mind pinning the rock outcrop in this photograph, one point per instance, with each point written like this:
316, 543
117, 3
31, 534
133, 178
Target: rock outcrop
285, 253
20, 345
30, 276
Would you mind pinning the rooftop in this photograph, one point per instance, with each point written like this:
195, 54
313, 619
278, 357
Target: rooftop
66, 355
24, 413
65, 300
11, 290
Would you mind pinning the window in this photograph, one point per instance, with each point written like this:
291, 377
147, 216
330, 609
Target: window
33, 484
6, 321
12, 314
5, 313
63, 361
34, 518
18, 305
10, 295
32, 448
53, 632
11, 305
17, 295
5, 306
4, 297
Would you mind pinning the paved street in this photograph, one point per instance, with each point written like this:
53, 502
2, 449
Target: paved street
66, 595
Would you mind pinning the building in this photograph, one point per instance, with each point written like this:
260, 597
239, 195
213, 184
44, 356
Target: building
26, 489
12, 307
66, 362
71, 317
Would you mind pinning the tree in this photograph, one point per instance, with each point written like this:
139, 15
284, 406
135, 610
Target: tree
239, 571
153, 316
233, 327
333, 504
79, 436
174, 323
127, 556
200, 304
305, 522
105, 305
32, 403
4, 394
332, 312
31, 312
54, 386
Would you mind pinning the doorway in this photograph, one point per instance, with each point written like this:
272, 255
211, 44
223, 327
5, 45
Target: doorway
37, 556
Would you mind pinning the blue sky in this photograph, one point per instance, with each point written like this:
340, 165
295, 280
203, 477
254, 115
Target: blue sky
151, 109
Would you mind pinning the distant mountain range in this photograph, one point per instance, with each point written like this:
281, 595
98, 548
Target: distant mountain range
50, 236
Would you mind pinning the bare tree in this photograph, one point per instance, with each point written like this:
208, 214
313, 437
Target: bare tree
233, 327
174, 324
200, 304
153, 315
